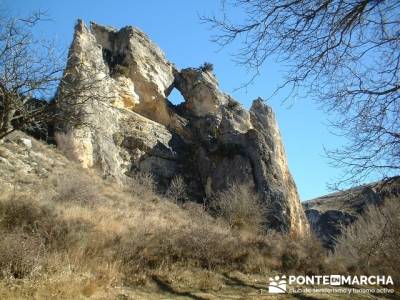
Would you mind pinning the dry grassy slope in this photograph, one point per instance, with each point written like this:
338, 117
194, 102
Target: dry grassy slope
101, 228
68, 234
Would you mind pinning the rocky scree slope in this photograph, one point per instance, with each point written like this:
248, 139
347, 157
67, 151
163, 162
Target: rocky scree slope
210, 140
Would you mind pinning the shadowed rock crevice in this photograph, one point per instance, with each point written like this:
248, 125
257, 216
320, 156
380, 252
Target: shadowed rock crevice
209, 139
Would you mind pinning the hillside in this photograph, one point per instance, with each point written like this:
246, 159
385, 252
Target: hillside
69, 234
327, 214
144, 199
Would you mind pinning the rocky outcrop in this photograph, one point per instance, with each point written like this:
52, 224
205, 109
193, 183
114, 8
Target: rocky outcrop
328, 215
210, 139
25, 161
122, 79
270, 168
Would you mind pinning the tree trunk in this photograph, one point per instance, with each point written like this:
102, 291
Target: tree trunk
7, 114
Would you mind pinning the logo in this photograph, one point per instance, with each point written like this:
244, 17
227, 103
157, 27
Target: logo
277, 285
330, 283
335, 280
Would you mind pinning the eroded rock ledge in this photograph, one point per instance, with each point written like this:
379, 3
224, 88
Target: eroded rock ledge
210, 139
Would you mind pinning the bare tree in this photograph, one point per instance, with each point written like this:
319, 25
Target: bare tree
29, 70
345, 53
36, 90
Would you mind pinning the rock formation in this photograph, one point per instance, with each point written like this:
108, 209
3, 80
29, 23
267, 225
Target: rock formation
328, 214
210, 139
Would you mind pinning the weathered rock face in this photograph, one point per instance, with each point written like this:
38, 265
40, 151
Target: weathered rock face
210, 139
327, 215
270, 168
119, 73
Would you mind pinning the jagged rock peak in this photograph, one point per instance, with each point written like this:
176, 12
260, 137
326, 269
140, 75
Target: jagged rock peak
135, 69
210, 140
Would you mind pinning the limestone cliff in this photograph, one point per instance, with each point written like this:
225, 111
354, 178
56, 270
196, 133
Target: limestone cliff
210, 139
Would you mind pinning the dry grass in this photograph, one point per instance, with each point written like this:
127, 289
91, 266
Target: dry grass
21, 214
71, 188
190, 246
20, 255
72, 234
124, 237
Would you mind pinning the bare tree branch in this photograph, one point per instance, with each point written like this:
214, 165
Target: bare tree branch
345, 54
30, 75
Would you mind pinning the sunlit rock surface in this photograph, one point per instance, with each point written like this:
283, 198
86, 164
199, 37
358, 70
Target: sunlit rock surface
210, 139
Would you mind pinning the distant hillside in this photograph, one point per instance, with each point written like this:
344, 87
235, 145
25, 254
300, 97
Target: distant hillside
328, 213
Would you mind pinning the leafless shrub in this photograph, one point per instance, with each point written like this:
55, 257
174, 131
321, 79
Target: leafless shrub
192, 246
23, 214
371, 245
295, 256
121, 70
141, 185
20, 254
210, 244
196, 210
240, 206
208, 281
177, 190
232, 103
204, 243
209, 248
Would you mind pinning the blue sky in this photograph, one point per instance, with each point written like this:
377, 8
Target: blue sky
174, 25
